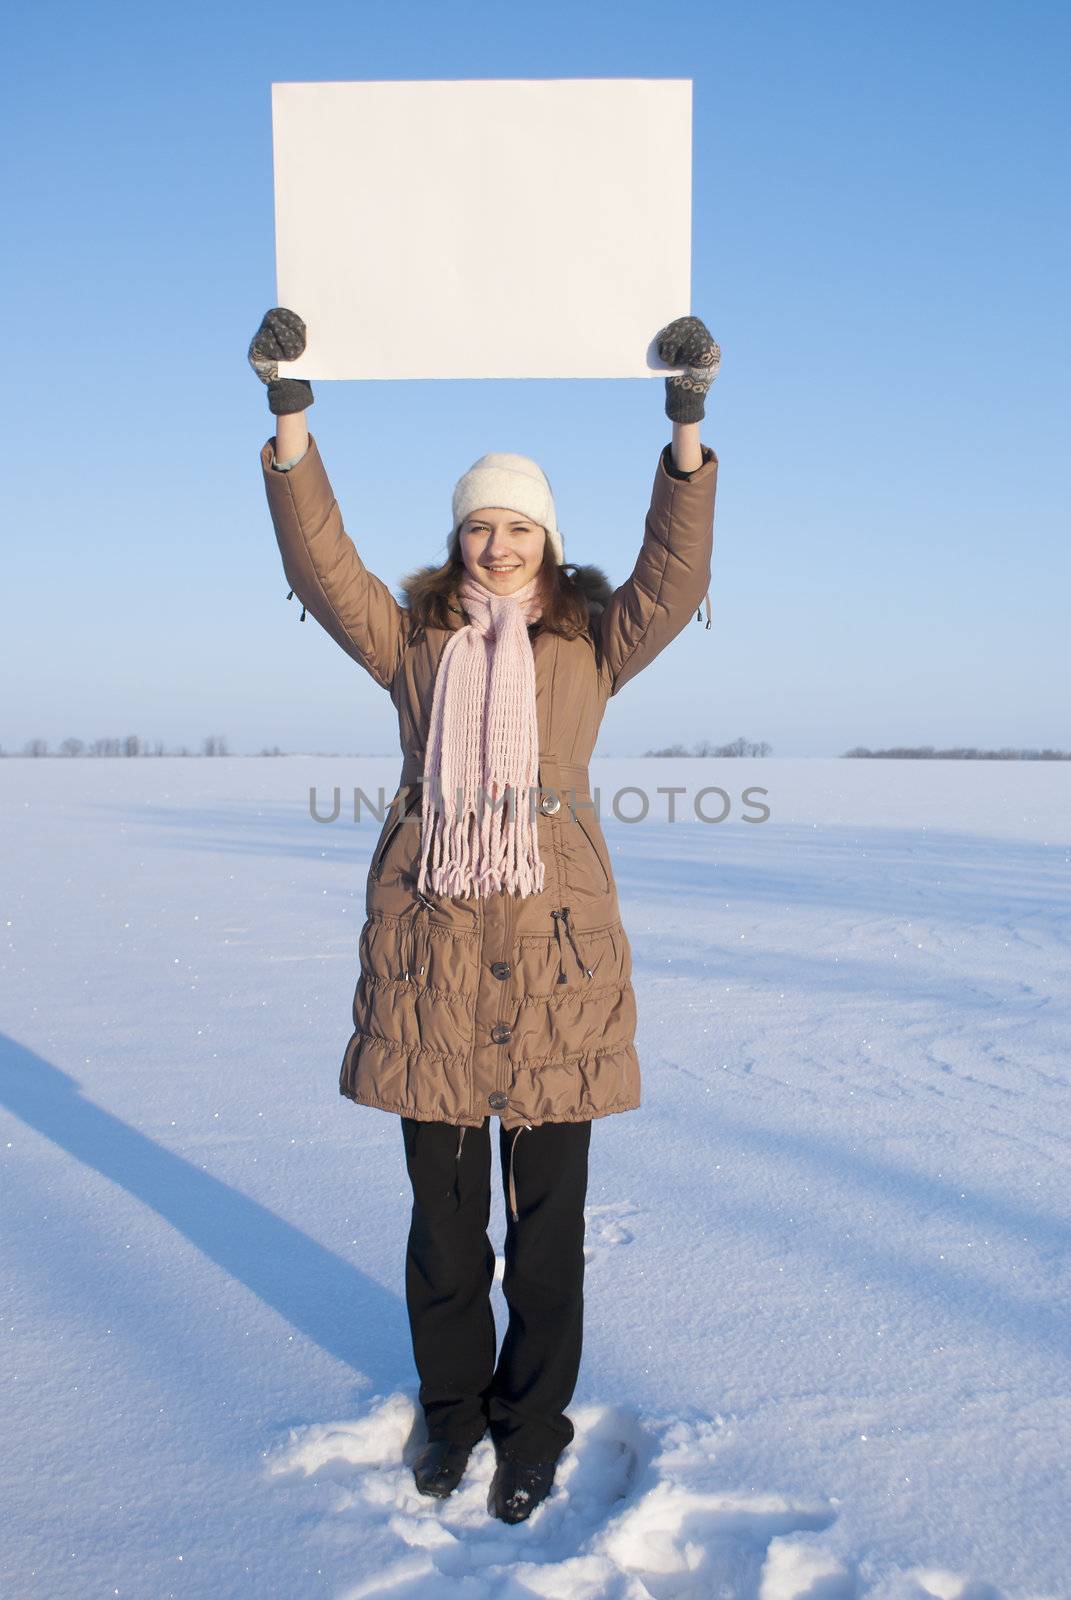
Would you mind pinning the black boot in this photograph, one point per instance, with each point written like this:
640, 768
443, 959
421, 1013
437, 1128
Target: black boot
440, 1466
518, 1487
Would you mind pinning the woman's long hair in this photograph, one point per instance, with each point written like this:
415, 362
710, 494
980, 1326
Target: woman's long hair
431, 593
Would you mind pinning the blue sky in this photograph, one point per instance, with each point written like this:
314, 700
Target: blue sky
880, 246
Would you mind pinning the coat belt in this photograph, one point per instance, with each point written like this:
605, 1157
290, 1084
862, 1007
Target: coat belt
565, 779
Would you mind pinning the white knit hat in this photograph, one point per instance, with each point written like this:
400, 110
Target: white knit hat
515, 483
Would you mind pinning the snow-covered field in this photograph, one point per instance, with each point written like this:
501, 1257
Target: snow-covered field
827, 1347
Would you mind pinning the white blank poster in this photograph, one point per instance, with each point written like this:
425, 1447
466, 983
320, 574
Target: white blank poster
483, 228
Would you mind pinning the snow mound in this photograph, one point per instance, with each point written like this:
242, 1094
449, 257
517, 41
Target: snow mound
634, 1512
637, 1512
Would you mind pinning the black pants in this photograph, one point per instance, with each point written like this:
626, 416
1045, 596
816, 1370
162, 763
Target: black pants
449, 1269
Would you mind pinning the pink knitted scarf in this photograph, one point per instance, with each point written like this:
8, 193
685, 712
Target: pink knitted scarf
483, 745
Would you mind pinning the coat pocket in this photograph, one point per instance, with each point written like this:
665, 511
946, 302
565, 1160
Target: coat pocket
587, 863
550, 964
386, 839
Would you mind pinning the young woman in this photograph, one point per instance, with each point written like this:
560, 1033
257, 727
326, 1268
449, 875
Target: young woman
495, 974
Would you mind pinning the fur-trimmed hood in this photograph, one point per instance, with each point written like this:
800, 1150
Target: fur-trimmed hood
592, 582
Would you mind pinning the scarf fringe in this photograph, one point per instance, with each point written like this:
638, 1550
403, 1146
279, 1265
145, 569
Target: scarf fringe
470, 855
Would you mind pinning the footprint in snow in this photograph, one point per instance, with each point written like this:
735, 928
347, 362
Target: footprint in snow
607, 1226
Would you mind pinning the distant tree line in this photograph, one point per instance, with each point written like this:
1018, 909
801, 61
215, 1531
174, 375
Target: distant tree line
215, 744
927, 752
738, 747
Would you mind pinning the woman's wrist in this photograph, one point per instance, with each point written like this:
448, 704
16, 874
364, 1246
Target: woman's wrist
291, 435
686, 448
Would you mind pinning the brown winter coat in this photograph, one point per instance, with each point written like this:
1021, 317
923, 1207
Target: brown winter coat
517, 1006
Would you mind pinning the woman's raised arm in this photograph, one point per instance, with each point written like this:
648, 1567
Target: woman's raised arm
320, 560
672, 571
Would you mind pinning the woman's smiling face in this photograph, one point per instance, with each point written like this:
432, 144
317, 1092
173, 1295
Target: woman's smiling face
501, 549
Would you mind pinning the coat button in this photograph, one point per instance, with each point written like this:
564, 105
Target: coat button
498, 1101
501, 1032
550, 805
501, 969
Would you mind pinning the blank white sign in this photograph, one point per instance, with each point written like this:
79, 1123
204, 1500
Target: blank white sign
483, 228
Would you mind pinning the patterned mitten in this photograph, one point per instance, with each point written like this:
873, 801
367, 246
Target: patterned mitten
688, 343
280, 337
